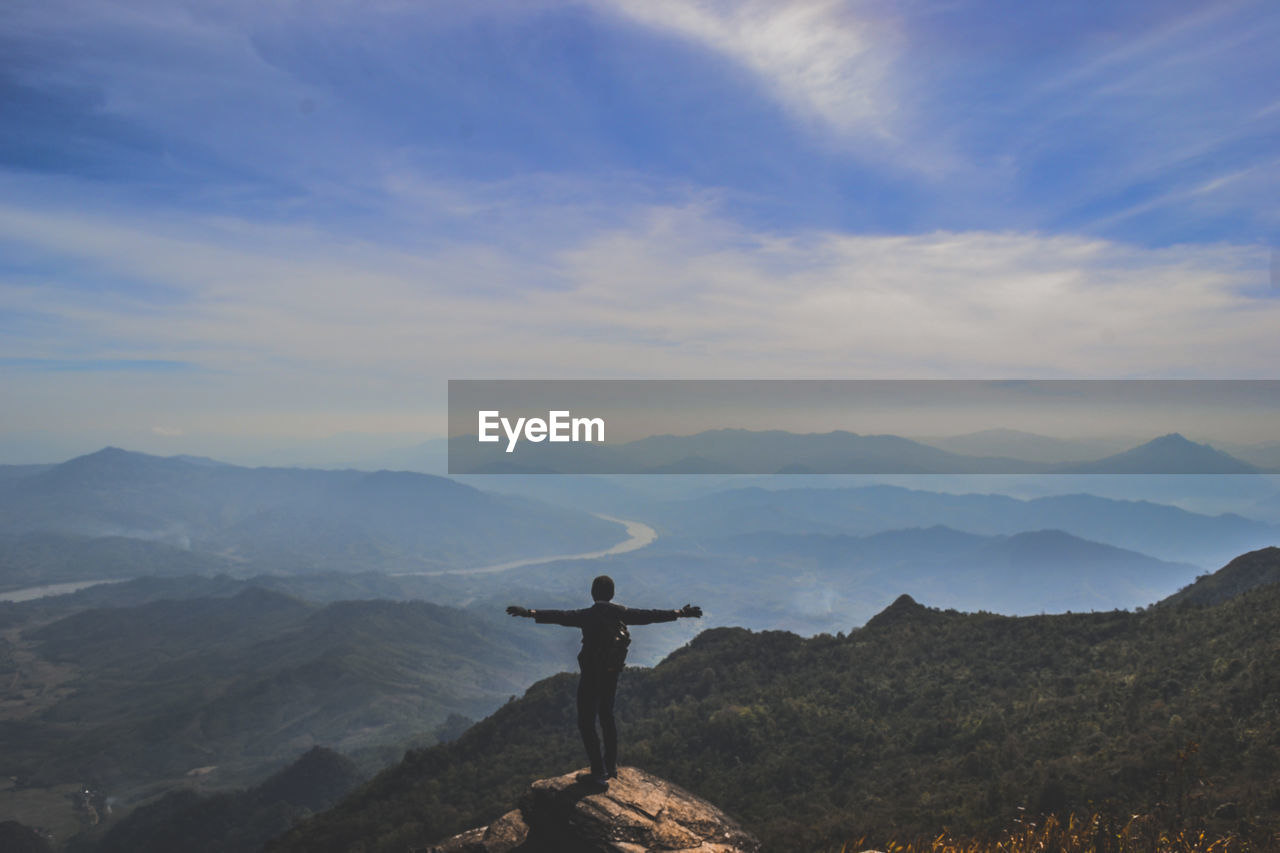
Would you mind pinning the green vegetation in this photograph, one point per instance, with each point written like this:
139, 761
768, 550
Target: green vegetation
8, 666
236, 822
921, 721
1246, 572
215, 692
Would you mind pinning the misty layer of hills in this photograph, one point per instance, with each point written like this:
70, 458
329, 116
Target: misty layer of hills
42, 558
739, 451
815, 583
271, 612
1162, 531
285, 519
115, 514
961, 570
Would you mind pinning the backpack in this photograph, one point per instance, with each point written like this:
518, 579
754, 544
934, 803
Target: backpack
609, 651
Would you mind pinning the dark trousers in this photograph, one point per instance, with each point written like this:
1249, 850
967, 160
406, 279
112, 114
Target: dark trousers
596, 691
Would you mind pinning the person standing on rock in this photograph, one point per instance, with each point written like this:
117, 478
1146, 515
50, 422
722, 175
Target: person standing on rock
605, 641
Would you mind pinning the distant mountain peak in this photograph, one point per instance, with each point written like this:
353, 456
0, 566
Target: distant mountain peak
103, 465
904, 609
113, 452
1172, 453
316, 780
106, 454
112, 456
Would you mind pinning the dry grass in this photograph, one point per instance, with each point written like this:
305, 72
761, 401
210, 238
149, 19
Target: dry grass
1075, 834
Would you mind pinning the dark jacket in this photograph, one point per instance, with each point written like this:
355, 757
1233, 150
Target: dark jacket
598, 622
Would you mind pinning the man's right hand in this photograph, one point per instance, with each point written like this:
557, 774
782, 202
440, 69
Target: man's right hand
516, 610
692, 611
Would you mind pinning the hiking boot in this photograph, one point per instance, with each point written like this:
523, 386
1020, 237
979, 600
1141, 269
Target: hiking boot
599, 781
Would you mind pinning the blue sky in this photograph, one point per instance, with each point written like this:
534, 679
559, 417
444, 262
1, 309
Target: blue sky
244, 223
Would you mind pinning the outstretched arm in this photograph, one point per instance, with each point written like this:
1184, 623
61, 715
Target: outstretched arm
648, 617
568, 618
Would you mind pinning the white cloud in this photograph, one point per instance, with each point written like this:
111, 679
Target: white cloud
309, 333
975, 304
820, 58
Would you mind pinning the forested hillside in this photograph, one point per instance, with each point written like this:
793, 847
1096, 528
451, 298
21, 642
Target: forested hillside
919, 721
218, 691
234, 822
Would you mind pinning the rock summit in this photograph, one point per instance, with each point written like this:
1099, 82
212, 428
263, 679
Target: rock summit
639, 812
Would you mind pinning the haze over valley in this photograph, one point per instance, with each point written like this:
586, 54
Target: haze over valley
255, 614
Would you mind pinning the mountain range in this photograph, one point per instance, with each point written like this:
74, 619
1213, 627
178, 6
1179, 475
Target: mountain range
738, 451
200, 669
1039, 571
921, 719
39, 559
235, 821
218, 690
231, 680
1028, 446
1162, 531
290, 519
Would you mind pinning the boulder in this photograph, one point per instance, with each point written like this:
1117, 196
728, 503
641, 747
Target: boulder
639, 812
505, 834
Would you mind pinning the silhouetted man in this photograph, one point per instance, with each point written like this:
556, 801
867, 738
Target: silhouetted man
604, 650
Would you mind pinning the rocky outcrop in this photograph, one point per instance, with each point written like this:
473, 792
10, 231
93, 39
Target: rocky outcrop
639, 812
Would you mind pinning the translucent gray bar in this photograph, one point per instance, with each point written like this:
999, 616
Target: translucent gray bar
864, 426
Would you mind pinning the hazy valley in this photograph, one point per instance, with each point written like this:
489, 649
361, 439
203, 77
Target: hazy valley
260, 613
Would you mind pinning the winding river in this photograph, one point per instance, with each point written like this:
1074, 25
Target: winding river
33, 592
639, 535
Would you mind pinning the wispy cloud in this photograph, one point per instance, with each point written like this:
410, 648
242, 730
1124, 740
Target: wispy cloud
974, 304
1151, 122
826, 113
823, 59
679, 291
